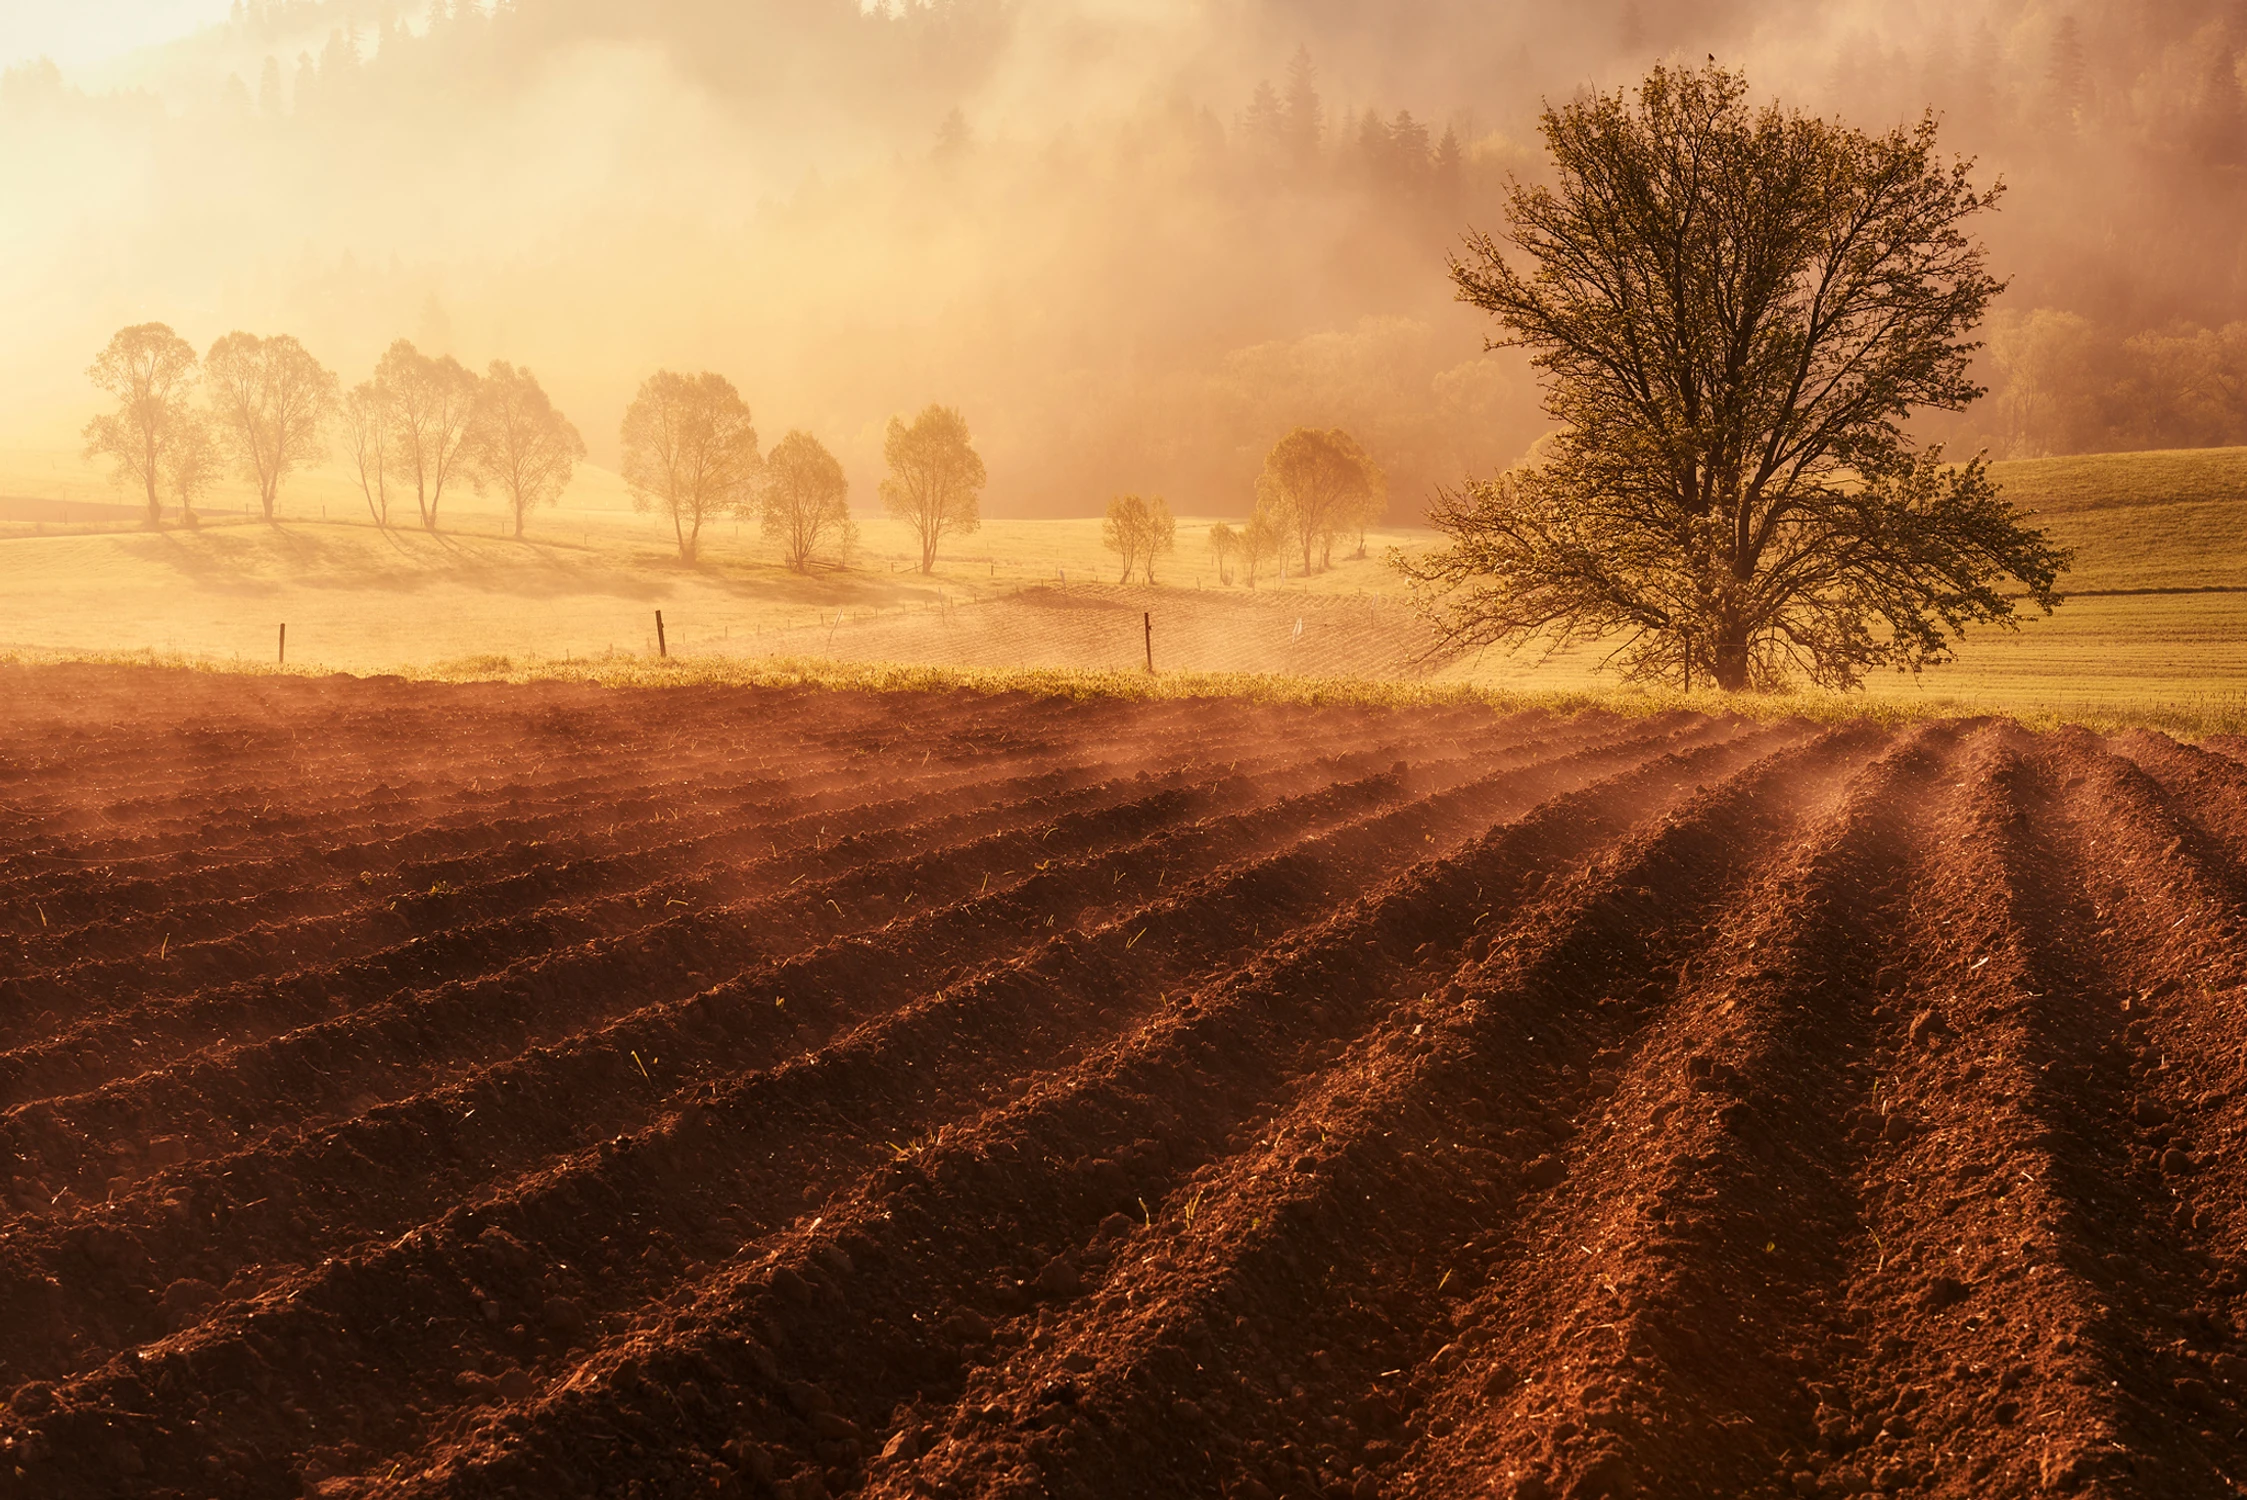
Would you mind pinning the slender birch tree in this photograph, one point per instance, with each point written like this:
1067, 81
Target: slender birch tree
432, 402
367, 428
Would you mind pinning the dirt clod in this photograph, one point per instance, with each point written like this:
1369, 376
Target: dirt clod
1943, 1292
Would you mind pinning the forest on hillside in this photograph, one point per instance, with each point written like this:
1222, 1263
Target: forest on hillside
1134, 249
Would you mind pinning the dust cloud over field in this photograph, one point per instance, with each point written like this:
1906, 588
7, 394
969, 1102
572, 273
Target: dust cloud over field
1086, 225
468, 1091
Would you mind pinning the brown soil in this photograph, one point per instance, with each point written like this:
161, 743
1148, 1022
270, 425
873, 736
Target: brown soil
547, 1091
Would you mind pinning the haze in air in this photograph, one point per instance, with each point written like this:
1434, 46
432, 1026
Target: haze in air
1134, 244
1253, 749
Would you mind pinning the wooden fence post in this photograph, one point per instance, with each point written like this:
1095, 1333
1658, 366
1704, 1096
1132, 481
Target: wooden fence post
662, 647
1148, 620
284, 660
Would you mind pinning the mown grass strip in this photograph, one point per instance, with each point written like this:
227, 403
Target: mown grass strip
2188, 718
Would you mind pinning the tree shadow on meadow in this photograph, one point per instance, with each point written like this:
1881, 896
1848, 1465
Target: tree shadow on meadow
264, 559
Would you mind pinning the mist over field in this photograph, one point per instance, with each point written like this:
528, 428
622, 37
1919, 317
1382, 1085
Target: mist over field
856, 749
1133, 243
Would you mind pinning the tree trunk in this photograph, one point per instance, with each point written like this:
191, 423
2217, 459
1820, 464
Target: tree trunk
1731, 664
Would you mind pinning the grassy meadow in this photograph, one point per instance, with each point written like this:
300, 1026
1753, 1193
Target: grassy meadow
2147, 634
586, 579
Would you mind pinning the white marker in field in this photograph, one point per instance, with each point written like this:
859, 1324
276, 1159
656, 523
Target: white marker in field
1298, 627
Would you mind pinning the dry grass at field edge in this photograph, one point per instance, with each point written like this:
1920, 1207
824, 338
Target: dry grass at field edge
2188, 721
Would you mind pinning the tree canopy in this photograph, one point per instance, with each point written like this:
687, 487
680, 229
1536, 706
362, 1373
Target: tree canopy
522, 443
1138, 530
151, 372
1317, 485
935, 478
272, 400
690, 451
1736, 311
806, 501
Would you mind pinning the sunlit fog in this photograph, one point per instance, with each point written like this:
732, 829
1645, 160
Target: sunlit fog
1133, 243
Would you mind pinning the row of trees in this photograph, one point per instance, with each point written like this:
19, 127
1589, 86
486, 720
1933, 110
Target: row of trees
2061, 383
690, 453
266, 406
263, 407
431, 418
1317, 486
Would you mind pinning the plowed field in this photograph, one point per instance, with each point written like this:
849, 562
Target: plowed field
549, 1091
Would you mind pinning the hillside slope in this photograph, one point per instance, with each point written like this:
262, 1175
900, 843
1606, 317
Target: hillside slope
2160, 520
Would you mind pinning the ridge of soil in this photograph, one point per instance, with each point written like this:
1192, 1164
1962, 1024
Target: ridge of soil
545, 1090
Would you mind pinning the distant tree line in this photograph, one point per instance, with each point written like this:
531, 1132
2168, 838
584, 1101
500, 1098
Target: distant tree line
265, 407
690, 454
2061, 383
1286, 133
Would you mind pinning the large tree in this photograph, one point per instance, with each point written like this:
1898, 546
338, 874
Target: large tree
935, 478
805, 503
1736, 310
150, 371
432, 402
690, 451
1317, 485
522, 443
272, 400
